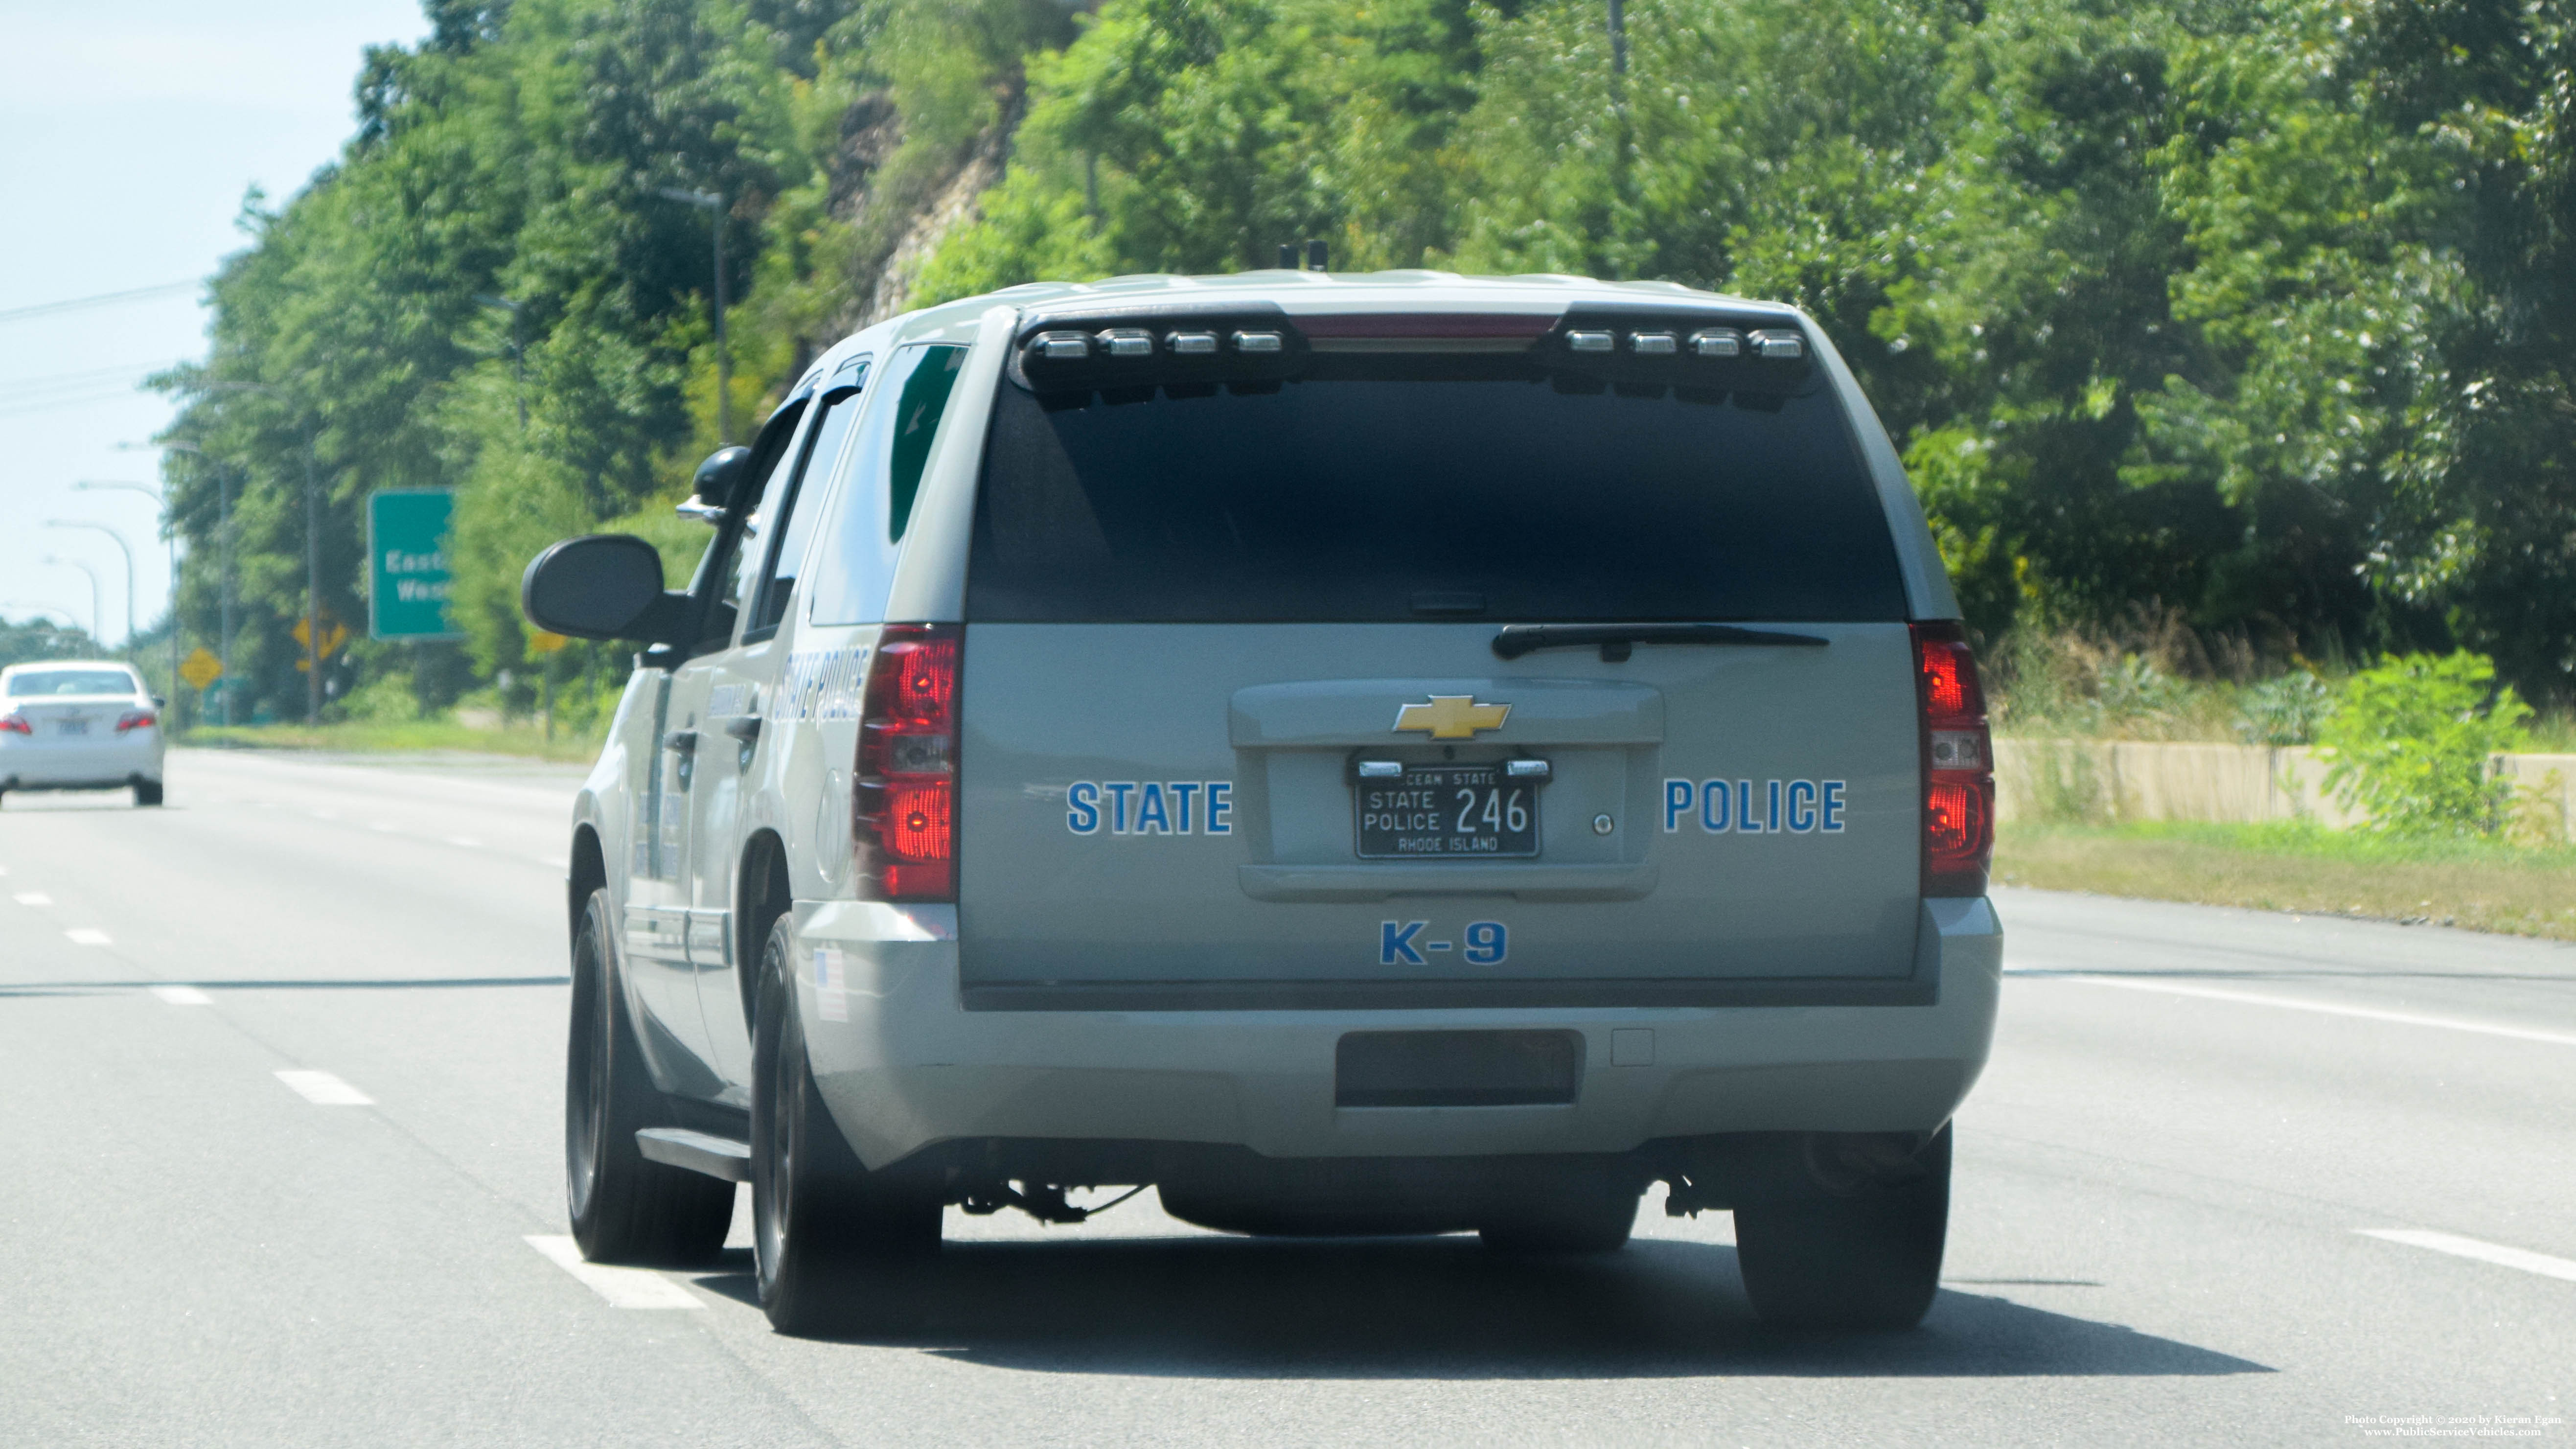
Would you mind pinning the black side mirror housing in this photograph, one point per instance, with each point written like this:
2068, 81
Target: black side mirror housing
603, 586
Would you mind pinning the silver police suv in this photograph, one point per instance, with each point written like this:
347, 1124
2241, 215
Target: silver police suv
1363, 754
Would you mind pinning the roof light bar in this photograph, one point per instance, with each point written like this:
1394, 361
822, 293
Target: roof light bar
1778, 345
1717, 342
1192, 344
1063, 346
1653, 344
1588, 341
1127, 342
1260, 344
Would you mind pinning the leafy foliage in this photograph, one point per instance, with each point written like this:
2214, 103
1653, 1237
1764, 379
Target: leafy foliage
2410, 742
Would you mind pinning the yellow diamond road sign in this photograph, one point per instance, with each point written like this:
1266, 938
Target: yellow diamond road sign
201, 668
1452, 716
542, 642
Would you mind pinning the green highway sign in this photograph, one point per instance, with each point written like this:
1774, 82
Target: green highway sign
407, 576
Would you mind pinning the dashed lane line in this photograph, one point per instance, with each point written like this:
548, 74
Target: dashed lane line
325, 1090
622, 1287
88, 936
34, 898
468, 841
183, 996
2322, 1008
2457, 1246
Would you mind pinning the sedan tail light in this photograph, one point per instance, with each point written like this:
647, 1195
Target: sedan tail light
136, 719
15, 724
904, 807
1958, 763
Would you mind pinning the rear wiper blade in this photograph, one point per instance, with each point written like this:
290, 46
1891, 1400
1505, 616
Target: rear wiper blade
1616, 640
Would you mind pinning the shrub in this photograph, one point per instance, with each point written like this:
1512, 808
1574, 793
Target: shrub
2284, 711
2409, 743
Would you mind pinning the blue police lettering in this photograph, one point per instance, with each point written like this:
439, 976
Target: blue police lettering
1794, 807
1395, 942
1151, 807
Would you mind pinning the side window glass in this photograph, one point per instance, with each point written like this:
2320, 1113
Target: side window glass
854, 563
760, 530
924, 401
727, 568
804, 503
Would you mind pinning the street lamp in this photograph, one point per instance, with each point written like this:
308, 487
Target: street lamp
710, 202
122, 548
224, 547
73, 563
312, 564
169, 527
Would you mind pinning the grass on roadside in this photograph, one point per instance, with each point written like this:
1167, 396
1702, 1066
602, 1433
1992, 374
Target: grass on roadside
524, 740
2477, 884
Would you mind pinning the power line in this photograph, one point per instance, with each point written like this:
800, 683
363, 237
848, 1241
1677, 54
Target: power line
103, 299
63, 390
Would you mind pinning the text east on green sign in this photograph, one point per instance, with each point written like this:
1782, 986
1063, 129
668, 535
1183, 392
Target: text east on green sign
407, 563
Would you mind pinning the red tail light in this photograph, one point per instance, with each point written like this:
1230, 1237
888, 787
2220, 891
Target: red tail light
15, 724
135, 719
904, 807
1958, 763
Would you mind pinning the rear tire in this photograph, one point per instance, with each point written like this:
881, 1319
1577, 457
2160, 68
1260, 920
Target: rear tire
1869, 1261
147, 792
625, 1207
833, 1242
1580, 1215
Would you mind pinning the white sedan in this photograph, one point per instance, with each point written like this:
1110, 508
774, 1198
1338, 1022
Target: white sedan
79, 725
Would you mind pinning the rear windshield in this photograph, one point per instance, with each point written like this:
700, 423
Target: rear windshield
1408, 488
70, 681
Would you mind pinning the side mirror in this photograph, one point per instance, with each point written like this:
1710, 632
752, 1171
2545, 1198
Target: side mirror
159, 703
602, 586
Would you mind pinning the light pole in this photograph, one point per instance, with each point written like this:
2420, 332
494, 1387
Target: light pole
170, 528
713, 204
518, 354
224, 548
73, 563
122, 548
312, 566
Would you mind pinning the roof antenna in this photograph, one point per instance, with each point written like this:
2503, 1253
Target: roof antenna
1315, 256
1287, 256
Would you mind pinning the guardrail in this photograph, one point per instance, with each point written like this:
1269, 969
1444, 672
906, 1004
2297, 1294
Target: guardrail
2142, 780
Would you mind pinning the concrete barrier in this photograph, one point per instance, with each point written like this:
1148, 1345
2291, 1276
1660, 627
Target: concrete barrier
2139, 780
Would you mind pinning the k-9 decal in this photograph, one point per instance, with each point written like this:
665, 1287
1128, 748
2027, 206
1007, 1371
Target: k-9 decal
1755, 807
1407, 943
1149, 807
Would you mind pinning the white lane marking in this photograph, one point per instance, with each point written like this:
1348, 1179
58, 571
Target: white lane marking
2322, 1008
468, 841
88, 936
183, 996
326, 814
34, 898
622, 1287
2523, 1258
385, 826
325, 1090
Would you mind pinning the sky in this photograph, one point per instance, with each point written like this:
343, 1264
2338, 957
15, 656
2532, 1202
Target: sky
129, 136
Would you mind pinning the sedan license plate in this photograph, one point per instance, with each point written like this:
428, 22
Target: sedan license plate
1447, 810
71, 727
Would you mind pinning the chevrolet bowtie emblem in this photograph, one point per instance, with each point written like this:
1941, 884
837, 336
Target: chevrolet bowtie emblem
1452, 716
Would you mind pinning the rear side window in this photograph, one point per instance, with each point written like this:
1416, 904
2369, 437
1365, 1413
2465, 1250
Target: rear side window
1407, 488
37, 683
854, 567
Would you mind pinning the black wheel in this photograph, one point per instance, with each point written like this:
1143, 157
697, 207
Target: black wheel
625, 1207
1866, 1261
831, 1239
147, 792
1580, 1215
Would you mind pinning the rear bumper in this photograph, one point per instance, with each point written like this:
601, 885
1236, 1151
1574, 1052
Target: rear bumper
101, 765
905, 1065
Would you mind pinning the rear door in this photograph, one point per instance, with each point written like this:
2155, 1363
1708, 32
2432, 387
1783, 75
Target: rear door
1236, 727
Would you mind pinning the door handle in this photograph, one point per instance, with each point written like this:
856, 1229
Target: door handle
684, 741
745, 728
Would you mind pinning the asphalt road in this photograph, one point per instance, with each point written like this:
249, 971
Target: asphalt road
2168, 1187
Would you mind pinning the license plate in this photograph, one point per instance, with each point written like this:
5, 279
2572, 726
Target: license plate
1447, 810
71, 727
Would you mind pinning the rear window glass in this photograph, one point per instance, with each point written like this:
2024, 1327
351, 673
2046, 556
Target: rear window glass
1400, 489
70, 681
